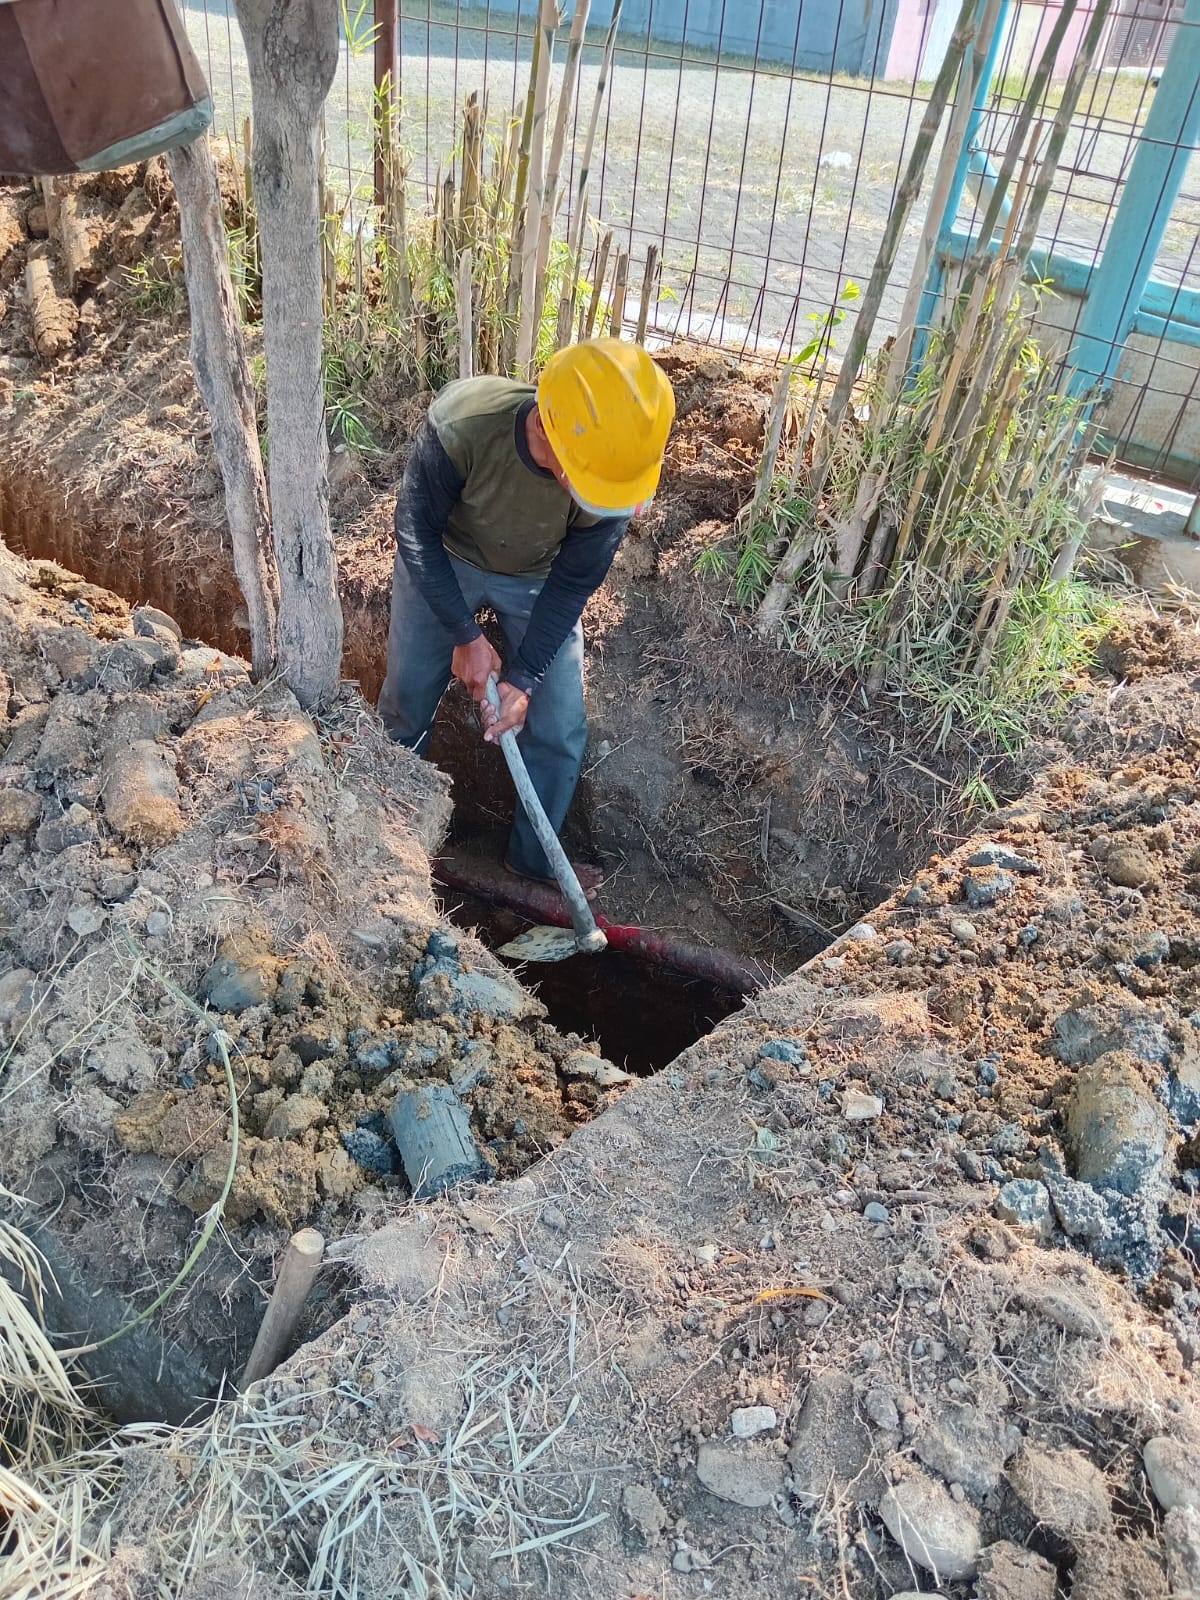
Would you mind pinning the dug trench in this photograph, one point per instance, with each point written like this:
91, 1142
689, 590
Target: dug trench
889, 1279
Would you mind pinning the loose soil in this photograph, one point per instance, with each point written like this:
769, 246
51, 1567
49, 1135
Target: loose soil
888, 1283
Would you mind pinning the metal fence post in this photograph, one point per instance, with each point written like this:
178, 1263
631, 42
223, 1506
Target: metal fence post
385, 72
937, 268
1155, 177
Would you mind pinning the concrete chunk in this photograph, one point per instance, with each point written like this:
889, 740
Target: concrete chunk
433, 1135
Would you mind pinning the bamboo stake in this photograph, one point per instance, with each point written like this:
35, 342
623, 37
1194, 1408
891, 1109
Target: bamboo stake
449, 230
575, 233
474, 124
296, 1273
529, 319
466, 338
649, 290
399, 275
968, 87
766, 467
906, 195
597, 285
616, 313
566, 99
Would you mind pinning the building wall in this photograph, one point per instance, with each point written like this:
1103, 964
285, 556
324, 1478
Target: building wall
850, 36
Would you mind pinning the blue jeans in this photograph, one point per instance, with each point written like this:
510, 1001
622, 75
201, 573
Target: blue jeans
554, 738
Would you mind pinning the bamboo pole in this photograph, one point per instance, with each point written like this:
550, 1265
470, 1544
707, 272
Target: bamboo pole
616, 312
566, 99
385, 65
766, 467
529, 319
969, 80
589, 325
466, 337
579, 214
649, 290
299, 1267
474, 124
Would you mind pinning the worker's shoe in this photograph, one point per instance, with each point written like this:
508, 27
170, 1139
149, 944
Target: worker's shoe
590, 878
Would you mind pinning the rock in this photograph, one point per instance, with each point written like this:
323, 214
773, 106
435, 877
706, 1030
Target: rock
463, 994
899, 952
874, 1212
882, 1410
963, 930
1151, 949
294, 1116
1025, 1204
1062, 1490
1131, 866
158, 923
1081, 1210
645, 1516
86, 919
16, 998
1115, 1129
1085, 1033
860, 1107
1183, 1088
583, 1064
831, 1444
790, 1051
739, 1477
934, 1530
862, 932
20, 813
1008, 1572
432, 1131
747, 1422
1181, 1541
244, 974
999, 855
371, 1151
1174, 1473
966, 1444
706, 1254
141, 795
985, 885
36, 221
148, 620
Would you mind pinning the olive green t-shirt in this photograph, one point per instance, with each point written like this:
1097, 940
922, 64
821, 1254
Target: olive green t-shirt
511, 515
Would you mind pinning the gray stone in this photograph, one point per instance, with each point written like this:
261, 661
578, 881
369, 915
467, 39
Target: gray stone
1025, 1204
934, 1530
1009, 1140
1183, 1088
1174, 1473
1081, 1210
747, 1422
1181, 1541
860, 1107
999, 855
158, 923
900, 952
1151, 950
966, 1444
1116, 1130
645, 1515
20, 813
882, 1410
831, 1444
244, 974
985, 885
147, 619
1083, 1034
1062, 1490
964, 930
1008, 1572
585, 1064
874, 1212
862, 932
86, 919
790, 1051
16, 998
463, 994
740, 1477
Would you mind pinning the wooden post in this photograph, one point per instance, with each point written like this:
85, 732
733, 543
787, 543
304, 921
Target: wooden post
466, 322
385, 81
296, 1273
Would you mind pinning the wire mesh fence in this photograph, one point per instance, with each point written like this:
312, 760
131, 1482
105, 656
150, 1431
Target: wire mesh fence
758, 146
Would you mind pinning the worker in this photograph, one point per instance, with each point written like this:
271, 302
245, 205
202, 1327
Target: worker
516, 498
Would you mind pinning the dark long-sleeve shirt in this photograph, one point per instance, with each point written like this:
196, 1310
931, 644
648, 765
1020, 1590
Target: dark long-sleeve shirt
444, 501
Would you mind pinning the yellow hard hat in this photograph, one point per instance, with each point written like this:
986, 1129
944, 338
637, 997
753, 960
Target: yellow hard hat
607, 410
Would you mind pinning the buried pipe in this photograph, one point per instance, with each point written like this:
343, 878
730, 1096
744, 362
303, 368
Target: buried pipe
538, 904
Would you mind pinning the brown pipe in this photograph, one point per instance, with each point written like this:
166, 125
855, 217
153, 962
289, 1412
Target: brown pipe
544, 905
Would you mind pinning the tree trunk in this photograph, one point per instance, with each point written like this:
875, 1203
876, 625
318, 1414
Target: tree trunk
223, 379
292, 51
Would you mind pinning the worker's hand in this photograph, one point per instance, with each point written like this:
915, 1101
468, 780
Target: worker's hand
514, 705
473, 664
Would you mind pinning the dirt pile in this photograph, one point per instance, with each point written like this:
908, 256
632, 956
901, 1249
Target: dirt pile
170, 830
888, 1285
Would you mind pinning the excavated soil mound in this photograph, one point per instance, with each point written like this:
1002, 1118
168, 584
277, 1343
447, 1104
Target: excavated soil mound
888, 1285
169, 833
